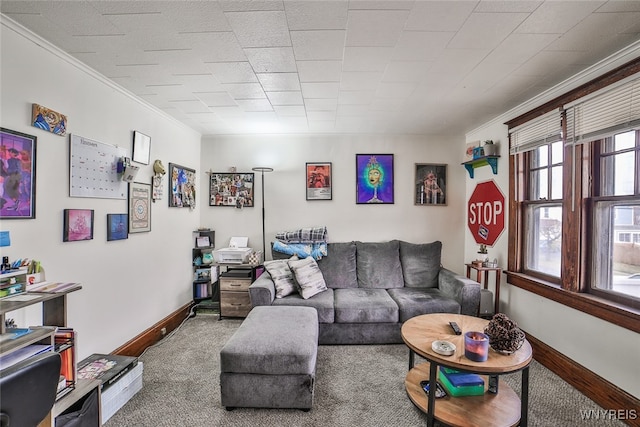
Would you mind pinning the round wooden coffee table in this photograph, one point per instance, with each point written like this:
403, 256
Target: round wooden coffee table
503, 408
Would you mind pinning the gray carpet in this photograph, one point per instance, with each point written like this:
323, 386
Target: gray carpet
355, 386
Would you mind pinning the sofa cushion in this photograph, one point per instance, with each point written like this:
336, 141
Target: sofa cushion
282, 277
361, 305
322, 302
339, 266
413, 302
378, 265
308, 276
420, 264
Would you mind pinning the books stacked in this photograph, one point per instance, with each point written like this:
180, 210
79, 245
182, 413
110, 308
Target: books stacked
458, 383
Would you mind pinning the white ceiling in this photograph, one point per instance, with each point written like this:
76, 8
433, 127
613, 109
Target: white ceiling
397, 67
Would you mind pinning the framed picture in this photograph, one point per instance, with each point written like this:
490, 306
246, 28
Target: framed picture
203, 242
430, 184
319, 185
49, 120
141, 148
231, 189
117, 227
182, 182
18, 168
374, 178
139, 207
78, 225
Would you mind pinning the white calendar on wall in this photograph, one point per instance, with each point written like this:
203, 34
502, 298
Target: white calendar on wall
94, 169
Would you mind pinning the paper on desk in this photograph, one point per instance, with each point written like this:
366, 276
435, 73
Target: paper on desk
21, 297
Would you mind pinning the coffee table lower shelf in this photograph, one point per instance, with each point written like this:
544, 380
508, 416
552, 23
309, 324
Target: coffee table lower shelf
502, 409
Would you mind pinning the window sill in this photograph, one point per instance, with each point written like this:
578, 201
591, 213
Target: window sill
618, 314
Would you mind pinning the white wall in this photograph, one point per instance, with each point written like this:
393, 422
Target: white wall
604, 348
128, 285
286, 207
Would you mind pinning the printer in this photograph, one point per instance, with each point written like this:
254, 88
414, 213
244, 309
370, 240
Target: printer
236, 253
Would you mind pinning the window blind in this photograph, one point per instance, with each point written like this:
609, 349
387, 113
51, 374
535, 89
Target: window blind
604, 113
542, 130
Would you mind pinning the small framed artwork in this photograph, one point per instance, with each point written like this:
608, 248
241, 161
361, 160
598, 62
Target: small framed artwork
231, 189
18, 171
203, 242
78, 225
49, 120
117, 227
141, 148
182, 187
374, 179
430, 184
319, 185
139, 207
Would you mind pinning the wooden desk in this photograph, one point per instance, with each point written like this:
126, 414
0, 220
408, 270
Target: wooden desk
483, 272
500, 404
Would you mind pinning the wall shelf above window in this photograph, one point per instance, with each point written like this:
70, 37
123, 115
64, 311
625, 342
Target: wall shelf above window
482, 161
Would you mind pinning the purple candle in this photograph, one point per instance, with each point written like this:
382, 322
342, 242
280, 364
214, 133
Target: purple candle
476, 346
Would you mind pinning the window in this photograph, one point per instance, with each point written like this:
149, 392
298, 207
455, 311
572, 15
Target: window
543, 211
616, 207
574, 218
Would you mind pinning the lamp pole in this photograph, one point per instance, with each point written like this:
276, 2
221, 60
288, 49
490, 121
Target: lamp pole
262, 170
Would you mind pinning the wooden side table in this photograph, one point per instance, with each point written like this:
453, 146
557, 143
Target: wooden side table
484, 272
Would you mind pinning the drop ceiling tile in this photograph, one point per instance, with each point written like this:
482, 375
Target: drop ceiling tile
290, 111
227, 112
354, 97
458, 62
285, 98
366, 58
375, 27
250, 5
421, 45
318, 44
486, 30
316, 15
320, 90
319, 71
439, 15
279, 81
360, 80
557, 16
204, 82
294, 124
271, 60
321, 115
194, 16
190, 106
322, 126
214, 46
620, 6
381, 4
233, 72
351, 110
519, 47
395, 90
499, 6
320, 104
255, 105
216, 99
406, 71
244, 90
260, 28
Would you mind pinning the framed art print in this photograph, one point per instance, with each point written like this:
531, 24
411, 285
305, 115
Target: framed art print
318, 183
141, 148
231, 189
430, 184
117, 227
18, 171
78, 225
182, 189
46, 119
374, 178
139, 207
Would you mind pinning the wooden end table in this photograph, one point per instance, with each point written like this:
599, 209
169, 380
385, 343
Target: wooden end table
484, 272
503, 408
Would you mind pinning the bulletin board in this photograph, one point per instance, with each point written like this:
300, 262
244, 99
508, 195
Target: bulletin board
93, 169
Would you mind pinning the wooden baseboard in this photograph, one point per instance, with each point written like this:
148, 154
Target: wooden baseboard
149, 337
601, 391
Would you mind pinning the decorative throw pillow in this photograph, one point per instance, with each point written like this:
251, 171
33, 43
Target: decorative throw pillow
308, 276
282, 277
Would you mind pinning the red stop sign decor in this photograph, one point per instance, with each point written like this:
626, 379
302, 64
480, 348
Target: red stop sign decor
485, 213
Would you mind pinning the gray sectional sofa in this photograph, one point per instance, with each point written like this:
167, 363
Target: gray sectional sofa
373, 287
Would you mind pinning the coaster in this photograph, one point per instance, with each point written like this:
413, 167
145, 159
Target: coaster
444, 348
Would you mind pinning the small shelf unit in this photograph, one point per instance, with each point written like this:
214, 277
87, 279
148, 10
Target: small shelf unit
492, 161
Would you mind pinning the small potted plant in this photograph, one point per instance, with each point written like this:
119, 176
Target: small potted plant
490, 149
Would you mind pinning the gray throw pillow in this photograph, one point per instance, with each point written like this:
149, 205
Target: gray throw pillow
421, 264
282, 277
379, 265
308, 276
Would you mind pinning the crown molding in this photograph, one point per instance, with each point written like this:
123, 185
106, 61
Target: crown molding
12, 25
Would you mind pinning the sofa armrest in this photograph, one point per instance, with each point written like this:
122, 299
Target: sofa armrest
262, 291
462, 289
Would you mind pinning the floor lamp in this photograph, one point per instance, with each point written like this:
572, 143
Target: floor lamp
262, 170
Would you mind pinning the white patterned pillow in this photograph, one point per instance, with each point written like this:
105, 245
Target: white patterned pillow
308, 276
282, 277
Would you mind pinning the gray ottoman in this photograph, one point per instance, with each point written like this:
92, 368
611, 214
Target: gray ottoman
270, 361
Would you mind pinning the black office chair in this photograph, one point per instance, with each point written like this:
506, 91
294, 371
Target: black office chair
28, 390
